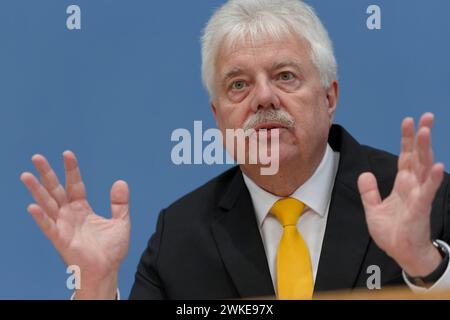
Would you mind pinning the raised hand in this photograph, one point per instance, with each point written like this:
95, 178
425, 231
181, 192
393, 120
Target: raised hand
96, 244
400, 224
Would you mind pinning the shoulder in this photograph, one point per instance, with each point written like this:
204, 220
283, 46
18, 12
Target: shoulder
204, 200
383, 163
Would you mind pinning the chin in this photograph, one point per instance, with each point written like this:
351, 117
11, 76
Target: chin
288, 154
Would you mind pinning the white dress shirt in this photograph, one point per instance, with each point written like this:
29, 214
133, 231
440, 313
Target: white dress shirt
316, 195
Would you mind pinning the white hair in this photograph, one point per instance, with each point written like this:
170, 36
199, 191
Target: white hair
240, 20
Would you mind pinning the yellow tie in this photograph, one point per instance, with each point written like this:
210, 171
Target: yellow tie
294, 271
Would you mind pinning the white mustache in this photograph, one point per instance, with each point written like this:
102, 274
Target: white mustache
268, 116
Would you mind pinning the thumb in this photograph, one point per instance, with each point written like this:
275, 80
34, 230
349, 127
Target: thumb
119, 200
368, 188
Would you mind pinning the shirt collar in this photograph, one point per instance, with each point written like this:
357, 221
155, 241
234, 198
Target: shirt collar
315, 193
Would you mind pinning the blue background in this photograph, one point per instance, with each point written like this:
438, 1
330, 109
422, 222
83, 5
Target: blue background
114, 91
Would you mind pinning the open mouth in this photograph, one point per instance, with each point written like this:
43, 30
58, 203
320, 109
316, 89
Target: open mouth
269, 126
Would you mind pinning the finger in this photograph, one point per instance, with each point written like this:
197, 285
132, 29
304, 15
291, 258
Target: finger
40, 194
368, 189
45, 223
426, 120
75, 188
49, 179
432, 184
407, 144
424, 154
120, 200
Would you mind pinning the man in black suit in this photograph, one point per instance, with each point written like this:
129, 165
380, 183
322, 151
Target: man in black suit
317, 224
207, 244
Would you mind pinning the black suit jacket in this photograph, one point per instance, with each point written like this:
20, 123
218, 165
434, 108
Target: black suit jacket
207, 244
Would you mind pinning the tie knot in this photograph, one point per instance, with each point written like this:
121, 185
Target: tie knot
288, 211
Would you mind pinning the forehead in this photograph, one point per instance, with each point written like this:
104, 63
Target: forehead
266, 52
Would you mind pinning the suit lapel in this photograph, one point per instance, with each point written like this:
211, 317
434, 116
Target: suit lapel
346, 237
239, 242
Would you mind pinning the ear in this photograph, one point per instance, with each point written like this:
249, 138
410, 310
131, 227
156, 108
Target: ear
332, 98
214, 109
217, 116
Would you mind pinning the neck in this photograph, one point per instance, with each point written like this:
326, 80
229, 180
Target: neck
289, 177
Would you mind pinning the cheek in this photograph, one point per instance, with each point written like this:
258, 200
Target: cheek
231, 116
221, 117
310, 106
311, 116
225, 118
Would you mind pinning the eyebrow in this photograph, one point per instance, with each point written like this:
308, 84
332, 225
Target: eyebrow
286, 63
236, 71
232, 73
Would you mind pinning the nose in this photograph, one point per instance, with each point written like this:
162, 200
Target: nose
264, 96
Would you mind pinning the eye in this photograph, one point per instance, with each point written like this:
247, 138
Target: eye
286, 76
238, 85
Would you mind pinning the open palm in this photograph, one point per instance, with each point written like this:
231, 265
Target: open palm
96, 244
400, 224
